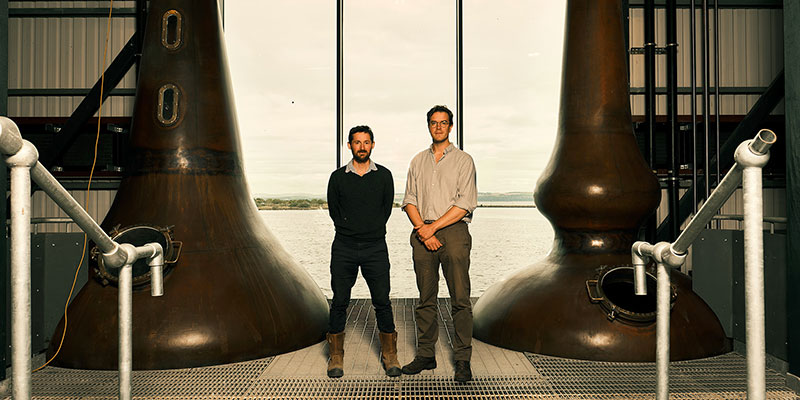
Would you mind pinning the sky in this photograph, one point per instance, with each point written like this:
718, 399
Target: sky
399, 61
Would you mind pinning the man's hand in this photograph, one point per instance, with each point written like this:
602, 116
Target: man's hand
425, 232
432, 243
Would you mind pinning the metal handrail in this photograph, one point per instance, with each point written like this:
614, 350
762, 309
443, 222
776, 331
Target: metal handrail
769, 220
750, 156
22, 159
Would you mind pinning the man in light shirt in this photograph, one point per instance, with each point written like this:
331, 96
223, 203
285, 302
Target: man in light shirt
440, 197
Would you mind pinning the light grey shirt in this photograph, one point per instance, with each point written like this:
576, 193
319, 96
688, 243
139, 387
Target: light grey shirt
352, 169
433, 187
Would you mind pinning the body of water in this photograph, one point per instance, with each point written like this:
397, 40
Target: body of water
503, 240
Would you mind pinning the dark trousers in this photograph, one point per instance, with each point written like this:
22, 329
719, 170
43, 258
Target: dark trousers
373, 258
454, 258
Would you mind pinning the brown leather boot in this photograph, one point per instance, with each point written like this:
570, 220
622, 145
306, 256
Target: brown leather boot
389, 353
336, 350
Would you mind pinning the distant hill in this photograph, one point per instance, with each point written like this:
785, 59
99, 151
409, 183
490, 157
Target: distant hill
493, 197
398, 197
302, 201
290, 196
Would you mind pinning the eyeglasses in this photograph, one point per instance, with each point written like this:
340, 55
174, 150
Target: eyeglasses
440, 123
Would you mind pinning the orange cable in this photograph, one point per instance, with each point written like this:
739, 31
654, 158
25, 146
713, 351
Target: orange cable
89, 186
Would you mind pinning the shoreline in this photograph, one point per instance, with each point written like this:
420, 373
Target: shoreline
325, 207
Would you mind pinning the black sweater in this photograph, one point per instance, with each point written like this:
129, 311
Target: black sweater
361, 205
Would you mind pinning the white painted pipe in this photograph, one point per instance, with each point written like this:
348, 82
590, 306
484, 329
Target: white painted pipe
125, 331
21, 282
662, 331
754, 285
640, 253
21, 157
748, 152
155, 255
750, 156
20, 163
112, 256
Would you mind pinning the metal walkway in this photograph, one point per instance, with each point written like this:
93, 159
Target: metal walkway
499, 373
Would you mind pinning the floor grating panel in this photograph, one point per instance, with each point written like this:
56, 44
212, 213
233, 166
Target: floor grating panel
417, 387
721, 377
499, 373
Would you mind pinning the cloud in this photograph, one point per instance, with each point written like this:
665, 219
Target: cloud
399, 61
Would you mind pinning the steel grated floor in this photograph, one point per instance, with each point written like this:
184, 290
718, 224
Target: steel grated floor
498, 374
721, 377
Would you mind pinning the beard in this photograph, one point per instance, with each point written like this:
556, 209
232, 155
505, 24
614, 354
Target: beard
361, 156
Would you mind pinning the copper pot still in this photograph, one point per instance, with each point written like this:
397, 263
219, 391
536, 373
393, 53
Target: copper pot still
596, 191
232, 292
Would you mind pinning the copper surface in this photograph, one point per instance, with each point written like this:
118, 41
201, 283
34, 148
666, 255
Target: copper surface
234, 294
596, 191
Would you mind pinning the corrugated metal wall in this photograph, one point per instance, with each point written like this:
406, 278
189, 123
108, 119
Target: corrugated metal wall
98, 204
774, 206
64, 53
751, 55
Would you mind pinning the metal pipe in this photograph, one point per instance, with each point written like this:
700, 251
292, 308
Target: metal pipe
704, 215
662, 331
706, 98
125, 304
10, 138
651, 225
460, 73
20, 164
716, 83
752, 156
113, 256
339, 80
662, 254
155, 255
649, 79
24, 166
758, 148
693, 102
157, 280
638, 252
754, 284
672, 111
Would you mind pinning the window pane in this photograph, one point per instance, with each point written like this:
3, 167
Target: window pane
399, 62
283, 66
512, 80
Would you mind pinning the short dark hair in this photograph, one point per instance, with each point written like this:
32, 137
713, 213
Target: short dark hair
357, 129
439, 108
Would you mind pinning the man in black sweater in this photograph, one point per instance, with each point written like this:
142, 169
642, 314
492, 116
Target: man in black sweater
360, 197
